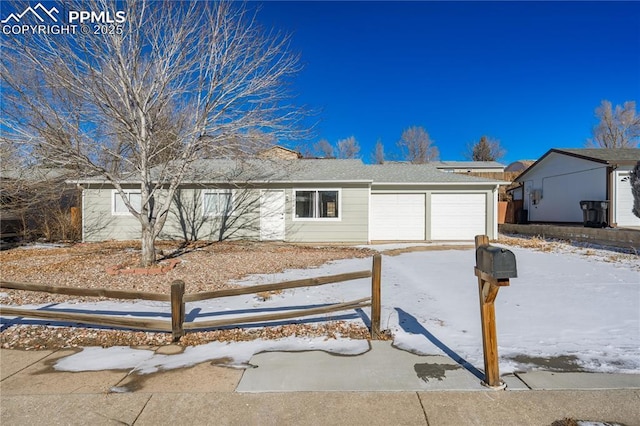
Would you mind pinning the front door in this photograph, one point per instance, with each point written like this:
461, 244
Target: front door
272, 215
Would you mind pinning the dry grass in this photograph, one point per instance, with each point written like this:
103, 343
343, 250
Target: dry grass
565, 422
600, 253
266, 295
203, 267
536, 243
572, 422
399, 251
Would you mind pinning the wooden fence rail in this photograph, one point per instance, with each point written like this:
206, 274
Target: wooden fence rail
91, 319
86, 292
354, 304
178, 298
306, 282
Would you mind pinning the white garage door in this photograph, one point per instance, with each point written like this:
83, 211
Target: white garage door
458, 216
397, 217
624, 202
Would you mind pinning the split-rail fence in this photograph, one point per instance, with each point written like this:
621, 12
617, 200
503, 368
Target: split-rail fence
177, 297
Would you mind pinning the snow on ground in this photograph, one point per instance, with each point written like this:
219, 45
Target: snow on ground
578, 306
239, 354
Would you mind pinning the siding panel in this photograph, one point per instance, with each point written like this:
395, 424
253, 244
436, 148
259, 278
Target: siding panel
353, 226
100, 224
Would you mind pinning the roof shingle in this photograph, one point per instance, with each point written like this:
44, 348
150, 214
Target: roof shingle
610, 156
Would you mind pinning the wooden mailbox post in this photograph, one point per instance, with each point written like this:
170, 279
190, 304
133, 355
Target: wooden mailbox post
494, 267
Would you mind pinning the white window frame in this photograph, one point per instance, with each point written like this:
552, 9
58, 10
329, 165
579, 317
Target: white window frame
114, 197
228, 192
316, 206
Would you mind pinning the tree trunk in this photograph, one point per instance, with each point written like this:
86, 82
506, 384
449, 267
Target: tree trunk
148, 256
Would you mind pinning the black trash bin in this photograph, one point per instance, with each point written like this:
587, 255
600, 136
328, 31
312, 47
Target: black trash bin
594, 213
522, 216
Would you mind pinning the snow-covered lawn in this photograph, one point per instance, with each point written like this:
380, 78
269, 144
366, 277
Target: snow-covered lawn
573, 305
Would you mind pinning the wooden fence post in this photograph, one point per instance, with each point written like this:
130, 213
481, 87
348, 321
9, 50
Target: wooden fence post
376, 274
177, 309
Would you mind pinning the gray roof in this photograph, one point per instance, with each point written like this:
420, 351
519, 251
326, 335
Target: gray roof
324, 170
611, 156
416, 173
36, 174
275, 170
316, 170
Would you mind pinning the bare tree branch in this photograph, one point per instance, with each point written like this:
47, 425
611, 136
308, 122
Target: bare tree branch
417, 147
348, 148
323, 149
182, 80
618, 128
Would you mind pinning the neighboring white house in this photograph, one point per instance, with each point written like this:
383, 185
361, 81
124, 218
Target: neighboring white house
553, 186
307, 200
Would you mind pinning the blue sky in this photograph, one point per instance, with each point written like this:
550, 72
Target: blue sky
527, 73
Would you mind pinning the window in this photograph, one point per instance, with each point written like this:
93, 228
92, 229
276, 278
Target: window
120, 208
217, 203
305, 201
317, 204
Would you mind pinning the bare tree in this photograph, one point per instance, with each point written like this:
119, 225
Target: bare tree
323, 149
142, 103
635, 188
378, 153
618, 128
417, 147
348, 148
36, 203
486, 149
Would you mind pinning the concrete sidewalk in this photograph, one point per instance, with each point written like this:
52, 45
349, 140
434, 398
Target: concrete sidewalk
385, 368
324, 408
382, 386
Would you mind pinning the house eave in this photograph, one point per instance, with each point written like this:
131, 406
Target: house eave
490, 183
575, 155
227, 182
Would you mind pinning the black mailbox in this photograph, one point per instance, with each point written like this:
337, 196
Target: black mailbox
496, 261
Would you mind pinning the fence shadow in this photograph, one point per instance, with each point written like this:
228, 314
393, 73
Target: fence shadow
278, 323
191, 316
6, 323
410, 324
364, 317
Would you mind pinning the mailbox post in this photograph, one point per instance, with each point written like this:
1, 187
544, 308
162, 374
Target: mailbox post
494, 267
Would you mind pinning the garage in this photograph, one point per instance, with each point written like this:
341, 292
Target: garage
624, 201
458, 216
399, 217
